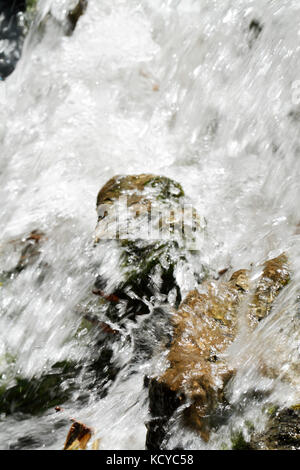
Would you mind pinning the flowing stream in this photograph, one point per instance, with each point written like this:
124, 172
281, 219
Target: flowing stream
204, 92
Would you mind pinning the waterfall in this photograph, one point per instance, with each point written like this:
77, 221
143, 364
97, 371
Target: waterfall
204, 93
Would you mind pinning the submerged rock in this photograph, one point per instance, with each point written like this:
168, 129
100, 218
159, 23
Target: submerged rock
12, 32
143, 214
36, 395
30, 253
146, 276
74, 15
275, 276
63, 381
163, 403
29, 249
204, 326
15, 20
62, 23
282, 432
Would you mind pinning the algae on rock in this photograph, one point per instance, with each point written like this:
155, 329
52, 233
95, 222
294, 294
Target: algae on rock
149, 234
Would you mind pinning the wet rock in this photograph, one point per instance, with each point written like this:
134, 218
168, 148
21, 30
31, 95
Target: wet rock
29, 248
78, 436
63, 381
256, 27
161, 397
101, 367
150, 238
36, 395
282, 432
134, 188
147, 269
54, 387
30, 253
53, 20
26, 443
12, 32
275, 276
101, 370
138, 287
204, 326
74, 15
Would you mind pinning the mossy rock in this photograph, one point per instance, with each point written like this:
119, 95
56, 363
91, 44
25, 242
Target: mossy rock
163, 188
282, 432
140, 265
36, 395
239, 442
143, 259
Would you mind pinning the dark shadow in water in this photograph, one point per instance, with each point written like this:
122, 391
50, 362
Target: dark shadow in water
12, 31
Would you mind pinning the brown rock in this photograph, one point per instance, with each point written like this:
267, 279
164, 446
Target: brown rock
204, 326
118, 185
30, 252
78, 436
140, 190
275, 276
282, 432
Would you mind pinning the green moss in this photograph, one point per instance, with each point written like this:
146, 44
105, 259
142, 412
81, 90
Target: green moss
84, 325
148, 270
168, 189
224, 446
238, 441
141, 262
31, 4
148, 266
271, 410
36, 395
250, 426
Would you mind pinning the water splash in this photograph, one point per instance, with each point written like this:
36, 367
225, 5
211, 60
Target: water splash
184, 89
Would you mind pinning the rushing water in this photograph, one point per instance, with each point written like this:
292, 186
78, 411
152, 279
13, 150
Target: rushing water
200, 91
